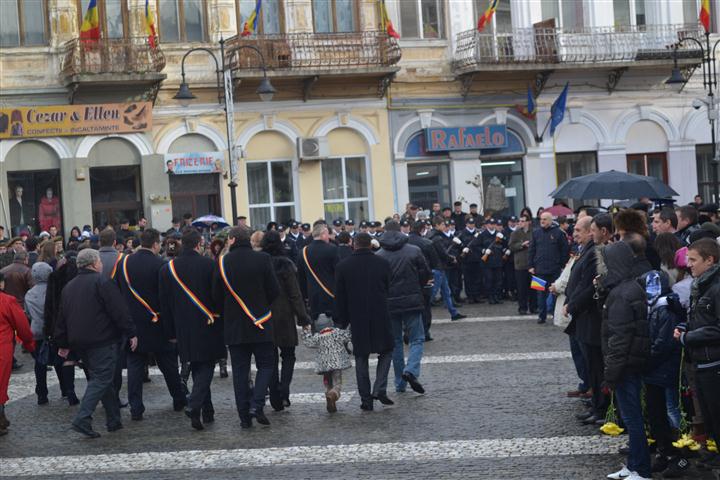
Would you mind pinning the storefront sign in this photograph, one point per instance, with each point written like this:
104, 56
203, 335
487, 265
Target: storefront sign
466, 138
63, 120
186, 163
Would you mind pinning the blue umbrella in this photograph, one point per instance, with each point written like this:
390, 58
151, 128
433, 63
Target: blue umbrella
208, 220
613, 185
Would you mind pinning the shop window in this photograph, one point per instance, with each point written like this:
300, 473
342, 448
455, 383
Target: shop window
567, 13
271, 19
345, 188
182, 20
422, 19
196, 194
116, 194
23, 23
271, 192
503, 189
649, 164
575, 164
34, 203
707, 172
331, 16
112, 15
429, 183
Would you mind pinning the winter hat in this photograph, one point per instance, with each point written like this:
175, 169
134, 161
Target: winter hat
40, 272
681, 258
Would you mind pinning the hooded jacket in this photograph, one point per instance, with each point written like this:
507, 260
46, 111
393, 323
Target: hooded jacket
624, 330
703, 330
410, 272
35, 298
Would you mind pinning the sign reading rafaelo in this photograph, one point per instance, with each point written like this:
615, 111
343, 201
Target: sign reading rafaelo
64, 120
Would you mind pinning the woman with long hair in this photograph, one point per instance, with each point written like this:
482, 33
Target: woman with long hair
48, 253
288, 310
666, 245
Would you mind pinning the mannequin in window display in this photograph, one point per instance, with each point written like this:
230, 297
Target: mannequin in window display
495, 198
49, 211
20, 211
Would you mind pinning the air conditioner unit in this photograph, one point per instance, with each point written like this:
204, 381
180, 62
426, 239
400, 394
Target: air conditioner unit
312, 148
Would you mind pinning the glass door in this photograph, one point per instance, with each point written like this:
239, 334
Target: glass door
429, 183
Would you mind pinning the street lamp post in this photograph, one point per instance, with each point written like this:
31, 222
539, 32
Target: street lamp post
224, 88
710, 83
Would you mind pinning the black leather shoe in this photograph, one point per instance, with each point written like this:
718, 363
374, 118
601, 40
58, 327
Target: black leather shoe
261, 418
43, 400
592, 420
383, 399
428, 338
72, 399
541, 321
414, 384
286, 402
179, 405
368, 407
87, 431
277, 404
584, 416
457, 317
208, 416
136, 417
115, 428
194, 417
245, 421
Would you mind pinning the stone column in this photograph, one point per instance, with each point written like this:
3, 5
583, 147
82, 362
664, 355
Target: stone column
540, 176
75, 189
156, 191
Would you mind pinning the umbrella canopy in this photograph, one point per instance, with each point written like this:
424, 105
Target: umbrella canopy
208, 220
559, 210
613, 185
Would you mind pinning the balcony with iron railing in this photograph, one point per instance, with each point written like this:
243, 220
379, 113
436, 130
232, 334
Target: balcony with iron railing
132, 64
311, 57
544, 47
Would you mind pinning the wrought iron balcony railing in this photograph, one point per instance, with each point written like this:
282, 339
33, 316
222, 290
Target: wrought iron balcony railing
540, 45
116, 55
315, 51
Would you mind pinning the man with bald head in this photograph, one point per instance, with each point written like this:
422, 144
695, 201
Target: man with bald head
548, 254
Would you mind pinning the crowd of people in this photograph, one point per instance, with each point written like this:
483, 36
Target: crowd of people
636, 289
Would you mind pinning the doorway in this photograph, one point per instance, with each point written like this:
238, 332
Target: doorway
116, 195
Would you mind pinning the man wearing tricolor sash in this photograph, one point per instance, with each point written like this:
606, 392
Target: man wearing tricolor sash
190, 315
245, 286
316, 270
137, 277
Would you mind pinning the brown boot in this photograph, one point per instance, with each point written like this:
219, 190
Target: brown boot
331, 397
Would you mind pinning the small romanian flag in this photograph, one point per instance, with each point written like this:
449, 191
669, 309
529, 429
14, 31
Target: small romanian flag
250, 26
386, 22
90, 28
705, 14
537, 283
487, 16
150, 25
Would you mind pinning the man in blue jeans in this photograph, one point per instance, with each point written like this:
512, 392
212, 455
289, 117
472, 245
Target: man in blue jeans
410, 272
548, 254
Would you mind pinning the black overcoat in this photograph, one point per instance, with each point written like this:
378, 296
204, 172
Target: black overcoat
288, 308
322, 257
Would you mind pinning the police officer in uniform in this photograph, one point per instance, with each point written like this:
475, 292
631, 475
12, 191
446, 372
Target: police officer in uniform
494, 246
293, 240
455, 271
350, 227
472, 261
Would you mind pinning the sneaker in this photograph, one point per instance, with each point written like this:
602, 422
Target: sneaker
637, 476
620, 474
677, 467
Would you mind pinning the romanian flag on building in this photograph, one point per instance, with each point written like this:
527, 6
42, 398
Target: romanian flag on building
487, 16
537, 283
530, 110
386, 22
150, 24
90, 29
705, 14
250, 25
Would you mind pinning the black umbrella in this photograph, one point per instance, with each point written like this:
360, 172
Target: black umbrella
613, 185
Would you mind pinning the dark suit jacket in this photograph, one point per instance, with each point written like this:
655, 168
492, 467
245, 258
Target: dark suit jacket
586, 316
322, 257
26, 209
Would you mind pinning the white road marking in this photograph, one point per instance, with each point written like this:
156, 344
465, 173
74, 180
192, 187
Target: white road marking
309, 455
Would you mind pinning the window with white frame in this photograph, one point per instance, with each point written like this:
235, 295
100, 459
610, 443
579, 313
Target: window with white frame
345, 188
23, 22
629, 12
567, 13
422, 19
271, 192
501, 20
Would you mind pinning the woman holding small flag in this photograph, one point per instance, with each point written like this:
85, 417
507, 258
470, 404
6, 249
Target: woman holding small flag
191, 318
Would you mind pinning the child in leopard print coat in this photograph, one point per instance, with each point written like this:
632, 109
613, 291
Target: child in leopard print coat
331, 358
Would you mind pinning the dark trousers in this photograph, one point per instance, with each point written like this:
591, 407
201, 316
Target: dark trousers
362, 374
473, 275
281, 378
455, 281
707, 381
660, 429
100, 365
167, 362
527, 299
200, 397
594, 368
65, 373
240, 356
509, 285
121, 363
427, 311
578, 357
493, 281
542, 296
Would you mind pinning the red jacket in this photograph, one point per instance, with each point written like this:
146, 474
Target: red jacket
12, 321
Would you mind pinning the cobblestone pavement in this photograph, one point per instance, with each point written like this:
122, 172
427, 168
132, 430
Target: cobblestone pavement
495, 407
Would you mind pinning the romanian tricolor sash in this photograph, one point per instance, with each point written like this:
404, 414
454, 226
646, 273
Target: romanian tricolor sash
115, 265
317, 279
193, 298
135, 294
258, 322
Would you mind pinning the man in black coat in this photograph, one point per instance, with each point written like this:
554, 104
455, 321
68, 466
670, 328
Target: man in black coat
245, 286
190, 315
584, 328
361, 301
138, 278
410, 273
91, 320
547, 256
316, 271
417, 238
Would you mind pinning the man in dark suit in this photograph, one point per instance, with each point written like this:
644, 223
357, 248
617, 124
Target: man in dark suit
584, 328
21, 211
293, 240
138, 281
316, 271
361, 301
195, 324
245, 286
